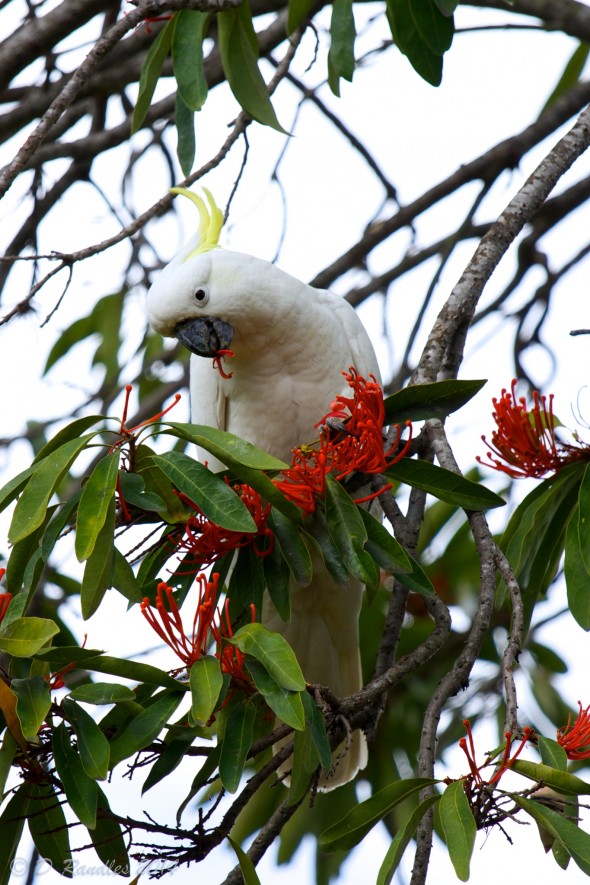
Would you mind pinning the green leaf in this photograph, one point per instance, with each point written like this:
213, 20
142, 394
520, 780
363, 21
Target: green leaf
561, 781
98, 571
408, 20
273, 651
123, 578
444, 484
423, 401
570, 76
435, 28
238, 47
577, 579
107, 839
134, 491
347, 530
298, 11
150, 73
209, 492
277, 578
49, 828
226, 447
7, 754
238, 737
575, 840
583, 521
352, 829
319, 538
187, 57
102, 693
93, 509
93, 746
341, 60
246, 866
12, 822
383, 547
170, 757
145, 727
103, 323
401, 840
24, 637
33, 700
293, 547
185, 129
459, 828
80, 790
206, 681
91, 659
315, 724
552, 753
286, 704
31, 508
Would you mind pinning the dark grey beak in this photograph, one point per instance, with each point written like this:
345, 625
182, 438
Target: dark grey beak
205, 336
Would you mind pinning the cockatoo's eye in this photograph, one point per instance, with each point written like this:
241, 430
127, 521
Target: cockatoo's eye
201, 296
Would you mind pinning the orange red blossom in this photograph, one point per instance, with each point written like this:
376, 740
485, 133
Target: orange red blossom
524, 441
474, 779
575, 739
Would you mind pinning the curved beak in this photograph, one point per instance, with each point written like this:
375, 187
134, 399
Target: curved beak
205, 336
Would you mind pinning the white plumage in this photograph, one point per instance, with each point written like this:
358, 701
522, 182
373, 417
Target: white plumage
291, 344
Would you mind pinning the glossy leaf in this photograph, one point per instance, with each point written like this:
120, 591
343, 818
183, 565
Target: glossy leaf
409, 22
294, 549
206, 681
286, 704
98, 571
135, 494
459, 828
91, 659
401, 840
341, 60
347, 530
12, 822
315, 724
571, 74
238, 47
93, 509
123, 578
184, 118
93, 746
187, 57
33, 700
209, 492
48, 828
552, 753
561, 781
435, 28
273, 651
383, 547
577, 579
444, 484
227, 447
277, 577
8, 708
583, 518
352, 828
237, 740
248, 869
102, 693
171, 755
80, 789
575, 840
31, 508
8, 750
145, 727
24, 637
107, 839
298, 11
150, 73
319, 538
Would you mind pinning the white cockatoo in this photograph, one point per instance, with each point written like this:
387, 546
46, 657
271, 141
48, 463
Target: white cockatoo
290, 343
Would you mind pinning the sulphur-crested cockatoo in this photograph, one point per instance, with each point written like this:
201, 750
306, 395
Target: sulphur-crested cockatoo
291, 344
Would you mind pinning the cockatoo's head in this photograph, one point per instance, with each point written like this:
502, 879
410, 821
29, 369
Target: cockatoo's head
178, 300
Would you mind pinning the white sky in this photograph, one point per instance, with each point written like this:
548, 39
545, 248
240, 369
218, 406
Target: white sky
494, 84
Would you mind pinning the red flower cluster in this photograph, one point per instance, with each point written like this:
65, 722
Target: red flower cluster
575, 739
351, 439
468, 747
206, 542
524, 442
4, 598
166, 621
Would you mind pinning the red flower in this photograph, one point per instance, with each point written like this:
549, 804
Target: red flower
231, 658
351, 439
524, 442
575, 739
206, 541
4, 603
468, 747
188, 648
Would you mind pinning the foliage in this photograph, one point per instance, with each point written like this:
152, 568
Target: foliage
111, 506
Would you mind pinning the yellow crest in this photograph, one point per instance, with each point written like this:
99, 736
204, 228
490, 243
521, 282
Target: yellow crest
210, 220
